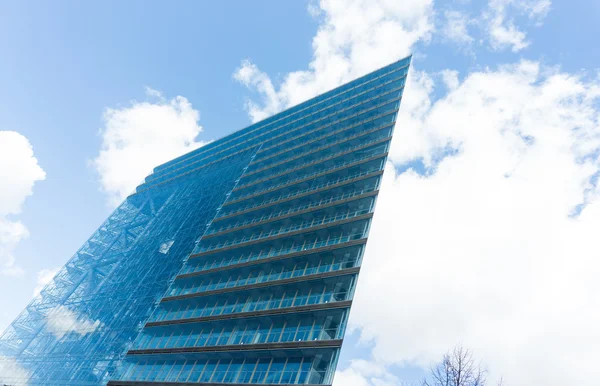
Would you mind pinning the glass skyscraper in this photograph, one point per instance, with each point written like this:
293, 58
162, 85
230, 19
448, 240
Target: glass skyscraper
233, 264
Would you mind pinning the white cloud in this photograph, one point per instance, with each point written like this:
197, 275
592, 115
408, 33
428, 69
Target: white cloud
153, 93
485, 250
141, 136
61, 321
19, 171
456, 27
495, 25
11, 371
415, 104
506, 34
11, 233
361, 372
494, 247
44, 277
450, 79
249, 75
355, 38
534, 9
503, 33
365, 373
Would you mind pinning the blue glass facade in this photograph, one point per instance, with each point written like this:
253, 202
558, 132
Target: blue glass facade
233, 264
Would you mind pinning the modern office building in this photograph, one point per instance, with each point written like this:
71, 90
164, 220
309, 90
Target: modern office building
233, 264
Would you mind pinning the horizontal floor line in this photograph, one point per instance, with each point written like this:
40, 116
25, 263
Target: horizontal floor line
275, 258
291, 198
150, 383
331, 343
292, 214
309, 164
283, 235
255, 314
304, 179
317, 276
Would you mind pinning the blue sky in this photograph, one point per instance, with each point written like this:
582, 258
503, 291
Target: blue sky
485, 73
65, 62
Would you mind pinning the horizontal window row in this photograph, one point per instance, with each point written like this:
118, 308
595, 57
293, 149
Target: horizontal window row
354, 120
278, 270
310, 243
323, 212
322, 137
205, 284
330, 179
291, 295
357, 107
352, 117
294, 328
331, 151
283, 229
364, 183
268, 370
335, 179
320, 142
316, 167
303, 240
290, 210
212, 262
321, 169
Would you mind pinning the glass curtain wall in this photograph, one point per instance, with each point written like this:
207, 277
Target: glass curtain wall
233, 264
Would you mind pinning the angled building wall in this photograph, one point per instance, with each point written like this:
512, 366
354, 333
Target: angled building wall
233, 264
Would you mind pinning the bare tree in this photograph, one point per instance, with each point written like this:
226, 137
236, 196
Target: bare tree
457, 368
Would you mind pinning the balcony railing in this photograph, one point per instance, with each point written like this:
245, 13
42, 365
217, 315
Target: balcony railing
326, 157
210, 336
276, 161
283, 230
337, 167
284, 250
208, 285
340, 180
289, 211
266, 302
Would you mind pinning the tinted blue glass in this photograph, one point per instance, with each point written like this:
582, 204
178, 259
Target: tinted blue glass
235, 263
82, 323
